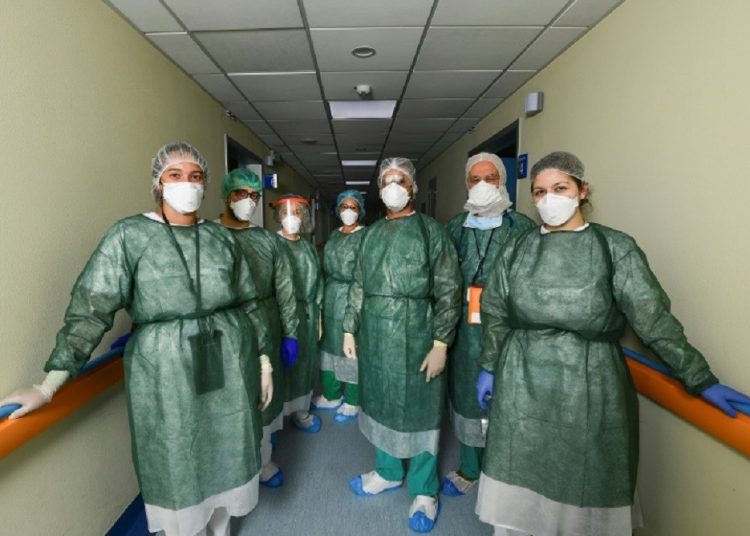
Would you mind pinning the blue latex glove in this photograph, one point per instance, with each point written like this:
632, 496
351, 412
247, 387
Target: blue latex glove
485, 380
289, 351
721, 395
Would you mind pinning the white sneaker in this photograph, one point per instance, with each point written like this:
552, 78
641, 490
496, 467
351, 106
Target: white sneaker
321, 402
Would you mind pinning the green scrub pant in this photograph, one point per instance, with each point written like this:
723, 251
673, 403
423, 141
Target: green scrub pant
471, 461
332, 388
422, 478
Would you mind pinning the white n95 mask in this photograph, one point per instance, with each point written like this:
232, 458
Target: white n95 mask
291, 224
394, 196
243, 209
556, 209
183, 197
348, 216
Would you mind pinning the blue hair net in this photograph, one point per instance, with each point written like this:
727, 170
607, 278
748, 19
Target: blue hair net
353, 194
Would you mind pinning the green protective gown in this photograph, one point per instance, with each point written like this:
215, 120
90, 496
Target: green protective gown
339, 257
472, 245
405, 293
308, 284
186, 446
563, 419
272, 274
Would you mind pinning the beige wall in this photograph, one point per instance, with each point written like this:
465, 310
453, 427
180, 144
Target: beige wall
84, 104
653, 101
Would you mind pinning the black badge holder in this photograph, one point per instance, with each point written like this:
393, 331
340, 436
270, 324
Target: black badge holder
205, 346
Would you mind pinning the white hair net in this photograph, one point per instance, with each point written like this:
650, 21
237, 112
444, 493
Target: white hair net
398, 165
176, 152
563, 161
486, 157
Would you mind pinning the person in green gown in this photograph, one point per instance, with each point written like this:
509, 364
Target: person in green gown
480, 233
293, 213
269, 263
562, 444
339, 255
194, 372
403, 305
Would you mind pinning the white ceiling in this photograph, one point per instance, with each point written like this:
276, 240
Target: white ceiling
276, 63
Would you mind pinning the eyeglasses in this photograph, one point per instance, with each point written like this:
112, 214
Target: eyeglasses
239, 195
349, 207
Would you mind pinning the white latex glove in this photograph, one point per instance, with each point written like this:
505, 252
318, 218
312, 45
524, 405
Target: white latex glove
266, 390
37, 396
434, 362
350, 346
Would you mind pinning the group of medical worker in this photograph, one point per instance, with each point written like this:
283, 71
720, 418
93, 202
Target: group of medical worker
231, 321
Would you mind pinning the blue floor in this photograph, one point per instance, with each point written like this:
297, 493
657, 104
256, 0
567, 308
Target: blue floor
316, 501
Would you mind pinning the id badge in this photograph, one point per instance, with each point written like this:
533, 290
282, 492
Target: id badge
473, 295
208, 364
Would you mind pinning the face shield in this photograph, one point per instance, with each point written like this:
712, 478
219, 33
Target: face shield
292, 212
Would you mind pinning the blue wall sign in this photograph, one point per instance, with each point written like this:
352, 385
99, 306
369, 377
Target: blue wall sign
523, 165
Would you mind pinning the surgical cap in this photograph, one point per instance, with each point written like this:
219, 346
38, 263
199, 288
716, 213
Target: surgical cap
398, 163
240, 178
486, 157
176, 152
563, 161
352, 194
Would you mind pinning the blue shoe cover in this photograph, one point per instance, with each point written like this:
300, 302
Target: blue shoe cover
276, 481
355, 484
449, 489
314, 428
340, 417
419, 522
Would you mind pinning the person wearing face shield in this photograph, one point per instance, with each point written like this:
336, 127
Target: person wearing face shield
339, 256
194, 373
293, 213
562, 446
269, 263
403, 306
480, 235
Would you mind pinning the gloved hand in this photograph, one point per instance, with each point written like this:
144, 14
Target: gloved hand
434, 362
485, 381
721, 395
266, 390
289, 351
30, 399
350, 346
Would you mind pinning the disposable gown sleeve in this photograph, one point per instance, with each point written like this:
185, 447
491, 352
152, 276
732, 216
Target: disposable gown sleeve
286, 297
355, 297
247, 296
446, 286
101, 290
647, 307
493, 305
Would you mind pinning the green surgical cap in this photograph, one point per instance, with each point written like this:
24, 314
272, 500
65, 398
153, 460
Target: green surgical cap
240, 178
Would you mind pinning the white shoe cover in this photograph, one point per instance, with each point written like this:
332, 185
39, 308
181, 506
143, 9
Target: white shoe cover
373, 483
348, 410
426, 504
321, 402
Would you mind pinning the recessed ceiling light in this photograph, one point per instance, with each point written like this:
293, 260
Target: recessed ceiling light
359, 163
373, 109
363, 51
363, 192
357, 183
308, 141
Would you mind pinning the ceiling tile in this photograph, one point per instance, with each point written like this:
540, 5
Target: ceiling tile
384, 84
295, 138
508, 82
482, 107
586, 12
359, 173
301, 127
411, 137
397, 148
296, 110
433, 107
551, 43
473, 48
278, 86
302, 150
147, 15
219, 86
258, 127
360, 150
362, 139
446, 84
405, 124
351, 13
271, 140
242, 111
395, 48
237, 14
184, 52
496, 12
463, 124
361, 126
260, 51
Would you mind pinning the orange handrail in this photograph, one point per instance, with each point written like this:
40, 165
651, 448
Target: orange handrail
670, 394
70, 397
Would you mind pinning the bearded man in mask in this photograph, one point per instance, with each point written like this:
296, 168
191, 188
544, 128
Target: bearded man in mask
480, 234
402, 310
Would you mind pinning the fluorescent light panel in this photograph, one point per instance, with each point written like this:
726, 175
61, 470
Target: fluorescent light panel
366, 109
357, 183
359, 163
